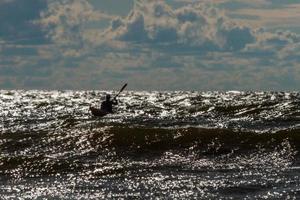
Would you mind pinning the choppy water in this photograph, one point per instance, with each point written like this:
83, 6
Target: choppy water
157, 144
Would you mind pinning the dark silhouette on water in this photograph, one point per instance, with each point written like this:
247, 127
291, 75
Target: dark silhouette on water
108, 104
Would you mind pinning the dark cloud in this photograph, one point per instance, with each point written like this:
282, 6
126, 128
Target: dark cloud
17, 21
235, 37
12, 50
135, 29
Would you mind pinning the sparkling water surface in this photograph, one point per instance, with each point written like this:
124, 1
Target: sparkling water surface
216, 145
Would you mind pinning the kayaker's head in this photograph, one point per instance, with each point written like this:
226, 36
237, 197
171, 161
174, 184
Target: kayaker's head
107, 97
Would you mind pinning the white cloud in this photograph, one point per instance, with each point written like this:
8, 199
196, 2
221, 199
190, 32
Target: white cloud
200, 25
66, 22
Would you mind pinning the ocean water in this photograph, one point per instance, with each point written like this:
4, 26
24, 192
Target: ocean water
170, 145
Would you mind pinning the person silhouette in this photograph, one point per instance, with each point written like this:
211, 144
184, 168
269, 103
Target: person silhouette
108, 104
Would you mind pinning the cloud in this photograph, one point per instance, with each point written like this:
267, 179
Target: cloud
200, 26
195, 42
283, 15
67, 24
63, 20
156, 46
273, 45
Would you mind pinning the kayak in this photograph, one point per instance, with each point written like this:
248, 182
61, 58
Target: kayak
98, 112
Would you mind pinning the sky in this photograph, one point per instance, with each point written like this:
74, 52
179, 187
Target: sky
150, 44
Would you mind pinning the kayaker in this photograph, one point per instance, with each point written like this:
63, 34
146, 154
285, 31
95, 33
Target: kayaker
107, 104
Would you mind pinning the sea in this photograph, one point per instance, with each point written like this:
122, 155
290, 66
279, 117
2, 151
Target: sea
156, 145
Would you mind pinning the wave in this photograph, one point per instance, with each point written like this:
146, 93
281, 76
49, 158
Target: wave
175, 138
88, 148
99, 135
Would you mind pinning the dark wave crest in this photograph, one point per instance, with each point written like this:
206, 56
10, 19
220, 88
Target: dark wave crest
223, 140
69, 149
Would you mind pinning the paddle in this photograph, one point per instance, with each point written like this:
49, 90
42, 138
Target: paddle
124, 86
